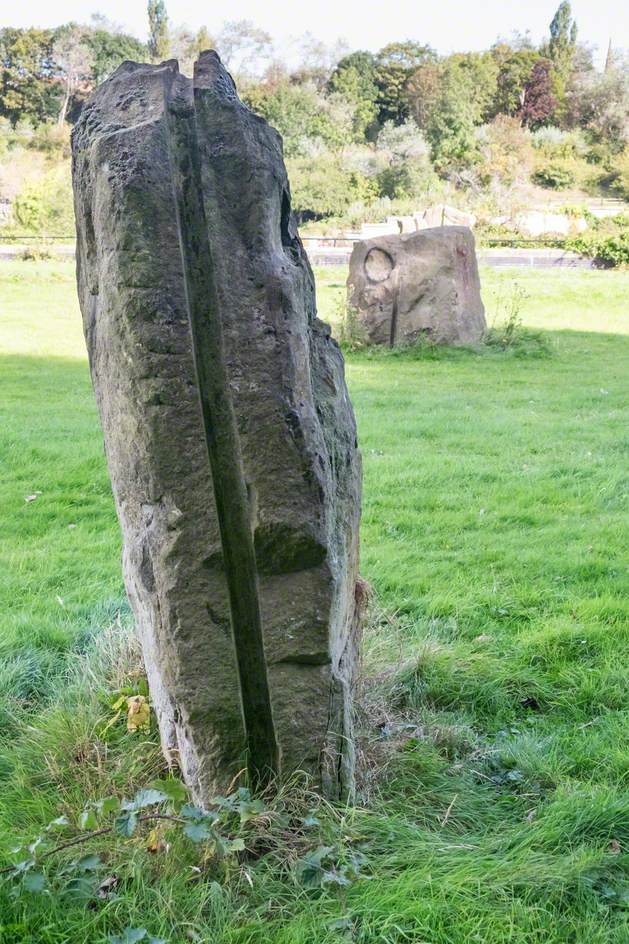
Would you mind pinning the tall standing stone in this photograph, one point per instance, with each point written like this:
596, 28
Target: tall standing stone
228, 429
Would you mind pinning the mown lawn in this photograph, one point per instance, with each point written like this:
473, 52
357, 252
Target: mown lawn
495, 535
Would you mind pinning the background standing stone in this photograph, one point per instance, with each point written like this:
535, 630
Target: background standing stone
423, 284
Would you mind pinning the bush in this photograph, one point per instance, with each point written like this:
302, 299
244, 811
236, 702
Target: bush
605, 250
506, 151
406, 179
620, 174
45, 204
36, 254
554, 176
307, 120
556, 144
51, 140
324, 187
402, 141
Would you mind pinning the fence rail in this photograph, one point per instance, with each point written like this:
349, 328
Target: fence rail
341, 241
497, 241
34, 239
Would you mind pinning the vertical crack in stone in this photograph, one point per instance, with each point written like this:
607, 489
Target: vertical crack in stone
395, 281
393, 334
219, 422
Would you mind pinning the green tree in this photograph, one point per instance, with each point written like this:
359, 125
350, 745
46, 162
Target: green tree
109, 49
27, 88
515, 67
561, 49
563, 34
306, 119
395, 64
185, 46
506, 151
479, 73
451, 128
159, 32
244, 47
203, 41
317, 60
423, 91
45, 204
74, 61
476, 72
354, 80
324, 186
599, 103
407, 172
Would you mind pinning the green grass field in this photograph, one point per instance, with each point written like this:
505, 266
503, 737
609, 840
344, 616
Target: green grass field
495, 805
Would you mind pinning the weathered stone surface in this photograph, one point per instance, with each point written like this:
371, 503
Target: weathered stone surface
421, 284
183, 219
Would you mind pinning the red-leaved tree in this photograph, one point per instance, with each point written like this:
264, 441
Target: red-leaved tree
539, 103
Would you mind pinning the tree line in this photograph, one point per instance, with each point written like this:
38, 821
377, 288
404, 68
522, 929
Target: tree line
361, 126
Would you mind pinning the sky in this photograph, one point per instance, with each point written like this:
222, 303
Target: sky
447, 25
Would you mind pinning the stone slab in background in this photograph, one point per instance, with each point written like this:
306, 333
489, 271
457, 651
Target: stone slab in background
423, 284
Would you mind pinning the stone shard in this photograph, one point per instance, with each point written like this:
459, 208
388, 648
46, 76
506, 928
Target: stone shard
424, 284
229, 433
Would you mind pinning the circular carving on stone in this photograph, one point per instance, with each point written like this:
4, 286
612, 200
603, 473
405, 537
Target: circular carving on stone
378, 265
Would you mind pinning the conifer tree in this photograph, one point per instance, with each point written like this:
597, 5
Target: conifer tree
159, 33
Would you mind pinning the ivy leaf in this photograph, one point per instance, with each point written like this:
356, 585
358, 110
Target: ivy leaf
126, 824
81, 887
234, 845
249, 809
230, 802
89, 863
310, 877
332, 877
129, 936
34, 882
310, 869
144, 798
175, 790
88, 820
317, 856
192, 812
108, 805
197, 832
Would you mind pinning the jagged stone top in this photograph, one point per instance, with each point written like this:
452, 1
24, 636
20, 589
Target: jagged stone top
209, 74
